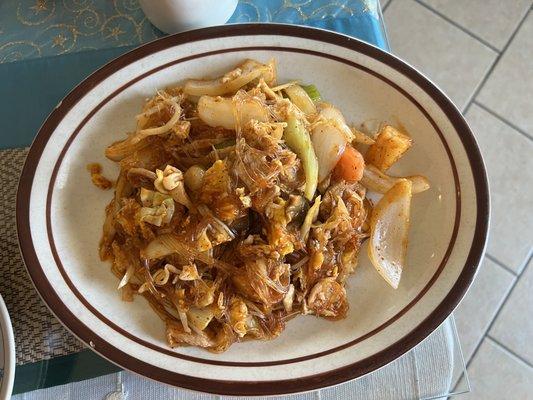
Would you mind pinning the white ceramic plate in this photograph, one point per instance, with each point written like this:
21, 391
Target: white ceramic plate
7, 353
60, 213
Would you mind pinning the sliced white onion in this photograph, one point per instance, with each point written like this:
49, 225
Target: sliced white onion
230, 82
216, 111
219, 111
166, 244
200, 317
420, 183
135, 141
127, 276
183, 319
289, 298
389, 226
329, 112
300, 99
375, 180
329, 143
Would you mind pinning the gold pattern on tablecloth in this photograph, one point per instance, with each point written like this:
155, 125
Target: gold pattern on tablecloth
38, 334
35, 12
88, 22
126, 7
39, 6
62, 38
115, 28
336, 9
53, 27
31, 28
17, 50
78, 5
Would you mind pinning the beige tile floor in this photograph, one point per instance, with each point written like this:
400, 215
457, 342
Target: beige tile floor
480, 52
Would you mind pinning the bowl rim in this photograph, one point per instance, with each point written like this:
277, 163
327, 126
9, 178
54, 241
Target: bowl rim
8, 344
317, 381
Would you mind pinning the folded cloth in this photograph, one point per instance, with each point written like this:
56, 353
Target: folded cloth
423, 373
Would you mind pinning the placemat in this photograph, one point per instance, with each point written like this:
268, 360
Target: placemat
38, 334
425, 372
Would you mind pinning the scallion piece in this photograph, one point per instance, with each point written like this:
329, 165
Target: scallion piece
312, 92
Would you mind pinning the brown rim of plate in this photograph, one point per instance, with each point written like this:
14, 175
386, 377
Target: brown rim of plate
317, 381
174, 353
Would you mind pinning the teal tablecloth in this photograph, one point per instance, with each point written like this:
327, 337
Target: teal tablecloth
43, 28
49, 46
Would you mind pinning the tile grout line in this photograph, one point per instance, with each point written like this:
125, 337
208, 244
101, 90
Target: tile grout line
494, 64
502, 304
481, 84
516, 276
522, 266
499, 54
463, 29
502, 119
489, 327
501, 264
508, 350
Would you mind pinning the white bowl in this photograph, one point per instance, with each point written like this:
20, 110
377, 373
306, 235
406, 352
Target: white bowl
60, 213
172, 16
7, 353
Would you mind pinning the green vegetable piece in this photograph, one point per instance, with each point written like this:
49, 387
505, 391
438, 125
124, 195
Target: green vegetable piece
312, 92
310, 217
299, 141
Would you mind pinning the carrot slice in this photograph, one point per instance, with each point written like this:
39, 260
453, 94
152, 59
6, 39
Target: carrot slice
350, 166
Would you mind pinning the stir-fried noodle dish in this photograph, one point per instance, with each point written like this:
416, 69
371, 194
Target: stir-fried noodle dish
242, 202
